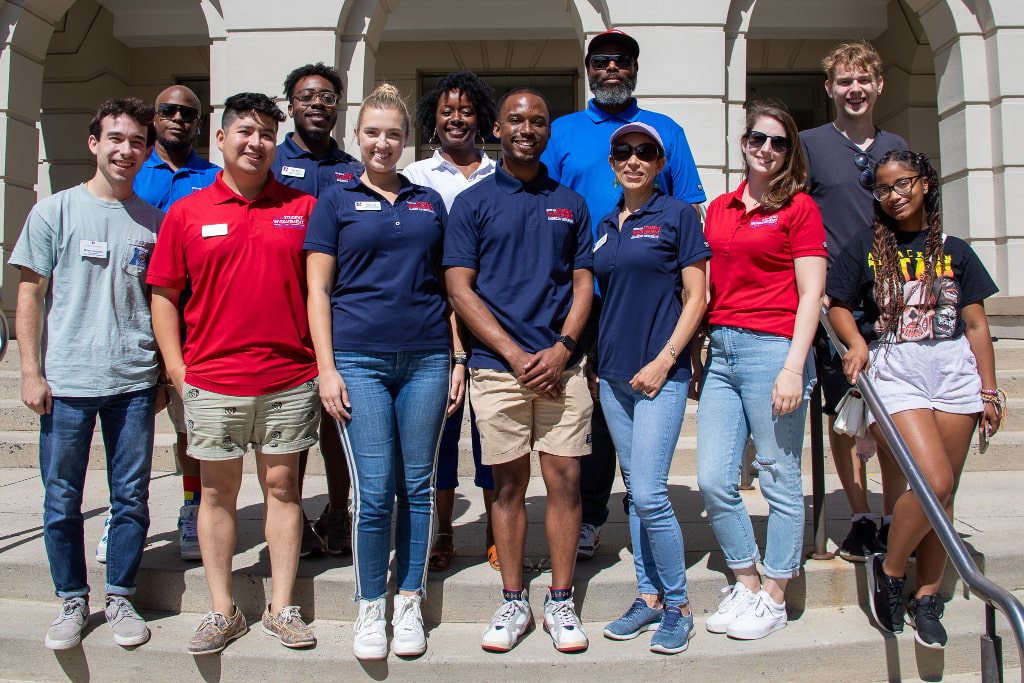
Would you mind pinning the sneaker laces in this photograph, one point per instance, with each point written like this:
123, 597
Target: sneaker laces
505, 614
735, 594
407, 619
371, 618
635, 609
188, 526
288, 613
67, 611
932, 609
211, 619
893, 594
563, 613
670, 620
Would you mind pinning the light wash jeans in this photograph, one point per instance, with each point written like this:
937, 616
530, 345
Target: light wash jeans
65, 437
645, 432
735, 402
397, 398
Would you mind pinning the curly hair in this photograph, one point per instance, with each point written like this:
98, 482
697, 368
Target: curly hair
792, 177
480, 95
385, 96
889, 275
249, 103
132, 107
318, 69
860, 53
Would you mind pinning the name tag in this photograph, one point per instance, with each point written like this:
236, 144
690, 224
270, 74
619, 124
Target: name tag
215, 230
293, 172
367, 206
600, 243
92, 249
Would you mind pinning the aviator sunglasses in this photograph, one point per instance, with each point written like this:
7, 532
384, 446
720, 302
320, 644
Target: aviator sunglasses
166, 111
645, 151
756, 140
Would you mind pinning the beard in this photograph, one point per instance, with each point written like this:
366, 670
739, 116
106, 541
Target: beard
315, 134
174, 145
612, 95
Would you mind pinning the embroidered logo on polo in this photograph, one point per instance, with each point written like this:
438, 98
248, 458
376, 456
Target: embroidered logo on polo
341, 177
294, 222
762, 221
140, 258
421, 206
564, 215
649, 231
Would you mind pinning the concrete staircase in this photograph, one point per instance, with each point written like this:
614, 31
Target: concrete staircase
829, 634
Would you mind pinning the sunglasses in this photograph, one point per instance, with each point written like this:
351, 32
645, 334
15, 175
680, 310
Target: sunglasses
166, 111
756, 140
601, 62
307, 96
902, 187
867, 176
645, 151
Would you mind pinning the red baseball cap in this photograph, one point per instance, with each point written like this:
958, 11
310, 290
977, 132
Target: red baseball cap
614, 36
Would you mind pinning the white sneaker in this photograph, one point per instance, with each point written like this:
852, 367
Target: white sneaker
510, 622
371, 641
564, 627
188, 535
101, 547
407, 622
590, 541
761, 617
739, 596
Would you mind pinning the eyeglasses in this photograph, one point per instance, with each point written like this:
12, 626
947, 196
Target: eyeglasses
166, 111
756, 140
645, 151
902, 187
601, 62
867, 176
307, 96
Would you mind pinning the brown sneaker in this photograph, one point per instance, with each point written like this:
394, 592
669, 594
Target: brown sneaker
288, 627
215, 631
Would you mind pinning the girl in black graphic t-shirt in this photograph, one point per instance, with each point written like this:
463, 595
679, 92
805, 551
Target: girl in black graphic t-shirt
931, 361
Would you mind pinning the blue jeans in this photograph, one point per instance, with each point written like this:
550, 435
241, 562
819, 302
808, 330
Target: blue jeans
396, 398
645, 432
735, 402
65, 437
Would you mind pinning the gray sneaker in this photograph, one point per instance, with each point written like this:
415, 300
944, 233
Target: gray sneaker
129, 628
66, 631
215, 631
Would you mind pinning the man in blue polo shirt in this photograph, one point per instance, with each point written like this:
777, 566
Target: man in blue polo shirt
310, 160
518, 257
577, 156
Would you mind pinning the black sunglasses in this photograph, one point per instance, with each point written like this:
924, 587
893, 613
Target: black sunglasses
166, 111
601, 62
645, 151
756, 140
867, 176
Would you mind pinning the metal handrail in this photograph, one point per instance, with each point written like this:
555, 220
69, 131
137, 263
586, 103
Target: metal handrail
993, 595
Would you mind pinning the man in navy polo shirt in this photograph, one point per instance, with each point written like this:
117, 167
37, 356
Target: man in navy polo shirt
518, 256
310, 160
577, 156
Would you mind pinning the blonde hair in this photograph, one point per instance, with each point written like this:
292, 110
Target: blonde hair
860, 53
385, 96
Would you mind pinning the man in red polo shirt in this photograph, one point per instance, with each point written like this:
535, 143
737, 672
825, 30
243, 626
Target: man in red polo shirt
247, 373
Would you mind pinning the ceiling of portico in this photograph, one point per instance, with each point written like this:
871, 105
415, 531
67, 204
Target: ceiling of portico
818, 19
158, 23
416, 20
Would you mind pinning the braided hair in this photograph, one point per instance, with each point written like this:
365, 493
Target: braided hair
889, 276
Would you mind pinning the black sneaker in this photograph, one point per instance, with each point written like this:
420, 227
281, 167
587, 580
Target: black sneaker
883, 538
923, 614
885, 596
335, 528
859, 544
311, 541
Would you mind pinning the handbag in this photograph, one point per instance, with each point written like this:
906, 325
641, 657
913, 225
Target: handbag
851, 415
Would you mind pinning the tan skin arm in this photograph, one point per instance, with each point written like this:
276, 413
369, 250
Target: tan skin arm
544, 369
457, 392
980, 338
787, 394
320, 274
35, 390
167, 330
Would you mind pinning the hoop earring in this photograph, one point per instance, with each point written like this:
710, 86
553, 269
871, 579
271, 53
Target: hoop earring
430, 142
480, 136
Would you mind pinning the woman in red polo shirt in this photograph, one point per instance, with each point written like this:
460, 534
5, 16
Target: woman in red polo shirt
766, 280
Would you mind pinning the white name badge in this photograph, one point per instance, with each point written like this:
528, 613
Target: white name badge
600, 243
92, 249
293, 172
367, 206
215, 230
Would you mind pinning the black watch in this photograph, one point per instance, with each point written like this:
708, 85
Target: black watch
568, 341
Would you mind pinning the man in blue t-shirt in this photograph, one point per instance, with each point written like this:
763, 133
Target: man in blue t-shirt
577, 156
841, 157
518, 257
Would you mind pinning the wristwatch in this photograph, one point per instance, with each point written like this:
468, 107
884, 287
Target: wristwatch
568, 341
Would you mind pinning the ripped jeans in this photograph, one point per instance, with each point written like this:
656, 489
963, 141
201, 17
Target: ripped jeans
736, 402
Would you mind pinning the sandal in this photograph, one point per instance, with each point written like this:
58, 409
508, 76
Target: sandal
492, 558
442, 553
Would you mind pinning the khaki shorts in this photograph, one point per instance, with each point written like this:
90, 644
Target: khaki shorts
221, 427
513, 420
176, 411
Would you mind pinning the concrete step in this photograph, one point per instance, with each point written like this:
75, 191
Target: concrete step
856, 651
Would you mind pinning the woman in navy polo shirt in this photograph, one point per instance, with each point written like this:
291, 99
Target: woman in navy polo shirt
649, 258
380, 329
766, 283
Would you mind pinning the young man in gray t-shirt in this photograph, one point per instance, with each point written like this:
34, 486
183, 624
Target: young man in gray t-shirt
87, 350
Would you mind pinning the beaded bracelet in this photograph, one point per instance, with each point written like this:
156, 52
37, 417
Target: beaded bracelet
671, 349
996, 397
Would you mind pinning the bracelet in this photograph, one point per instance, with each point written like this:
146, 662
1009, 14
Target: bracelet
996, 397
461, 357
165, 386
793, 371
671, 349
